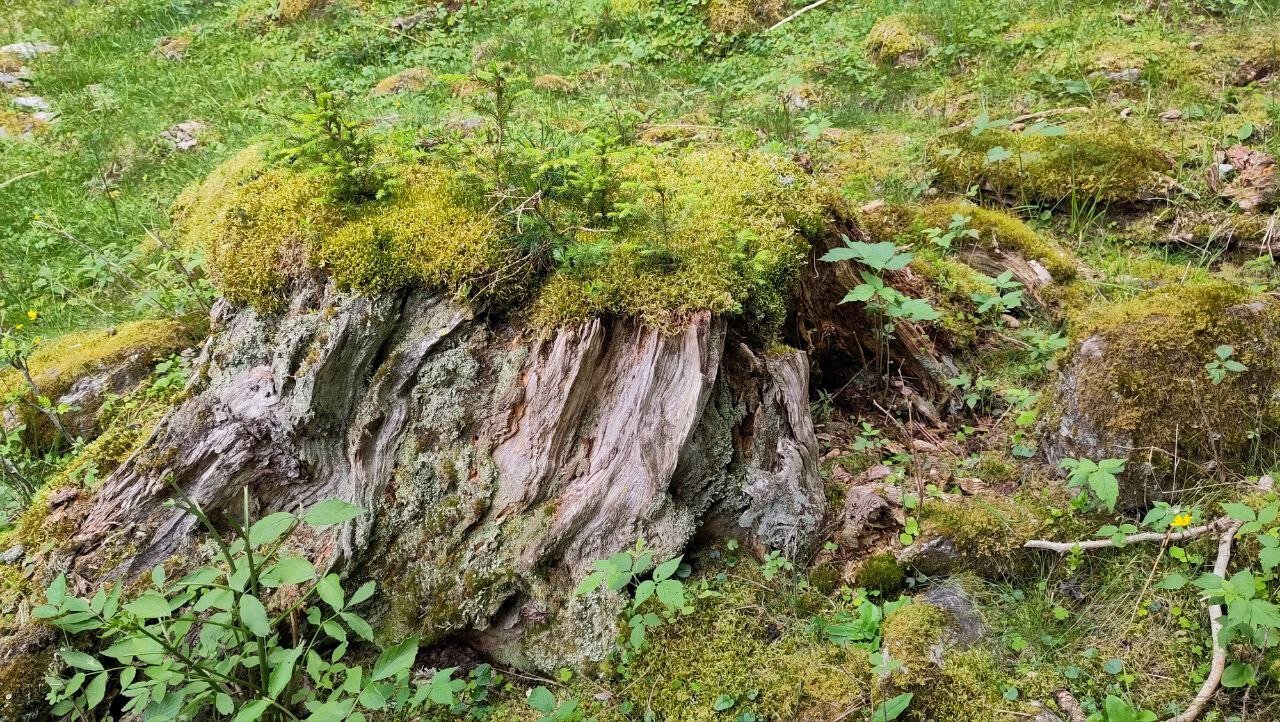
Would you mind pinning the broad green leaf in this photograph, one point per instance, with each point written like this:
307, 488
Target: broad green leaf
671, 594
330, 590
252, 711
282, 672
1238, 675
589, 583
270, 528
95, 690
1239, 512
395, 660
541, 699
333, 511
440, 689
80, 660
254, 616
1172, 581
149, 606
289, 570
358, 625
892, 709
365, 591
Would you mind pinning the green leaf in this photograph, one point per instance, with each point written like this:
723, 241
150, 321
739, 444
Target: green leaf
1239, 512
254, 616
1172, 581
395, 660
333, 511
282, 671
722, 703
270, 528
149, 606
330, 590
289, 570
589, 583
1238, 675
252, 711
666, 569
95, 690
541, 699
891, 709
365, 591
80, 660
440, 689
358, 625
671, 594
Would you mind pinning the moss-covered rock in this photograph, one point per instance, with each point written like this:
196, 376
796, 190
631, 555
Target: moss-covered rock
982, 533
1108, 165
898, 40
1138, 387
999, 229
882, 573
734, 17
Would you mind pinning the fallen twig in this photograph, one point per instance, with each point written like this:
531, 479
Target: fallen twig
1065, 547
21, 176
795, 15
1219, 663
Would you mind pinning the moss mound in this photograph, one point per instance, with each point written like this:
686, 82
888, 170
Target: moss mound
726, 647
999, 229
897, 40
1108, 165
1141, 375
987, 532
56, 364
713, 230
735, 17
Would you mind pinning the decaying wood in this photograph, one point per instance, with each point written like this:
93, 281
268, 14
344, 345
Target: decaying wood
840, 336
1069, 706
496, 463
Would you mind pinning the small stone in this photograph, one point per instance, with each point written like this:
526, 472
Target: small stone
31, 103
28, 51
9, 81
13, 554
1127, 75
1171, 115
185, 135
174, 48
63, 496
1195, 46
966, 628
1010, 321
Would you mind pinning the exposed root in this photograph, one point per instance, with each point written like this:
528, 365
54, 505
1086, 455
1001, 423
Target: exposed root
1219, 663
1065, 547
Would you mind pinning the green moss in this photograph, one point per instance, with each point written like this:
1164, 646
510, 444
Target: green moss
999, 229
987, 530
288, 11
1147, 380
712, 230
881, 572
946, 683
58, 363
726, 647
1109, 165
22, 685
897, 39
734, 17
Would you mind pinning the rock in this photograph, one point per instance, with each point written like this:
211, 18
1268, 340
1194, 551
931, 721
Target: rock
497, 463
898, 41
11, 81
406, 23
1170, 116
936, 555
28, 51
31, 103
405, 81
1137, 388
13, 554
965, 627
1125, 75
185, 135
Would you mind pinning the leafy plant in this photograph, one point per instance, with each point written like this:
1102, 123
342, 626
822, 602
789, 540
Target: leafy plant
1115, 709
541, 699
958, 228
625, 569
892, 709
1007, 295
1223, 365
881, 298
212, 641
1096, 478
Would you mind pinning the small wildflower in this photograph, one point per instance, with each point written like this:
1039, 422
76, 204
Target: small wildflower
1182, 520
32, 314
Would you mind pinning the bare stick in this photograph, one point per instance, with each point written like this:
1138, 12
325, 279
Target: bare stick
1219, 663
21, 176
1065, 547
795, 15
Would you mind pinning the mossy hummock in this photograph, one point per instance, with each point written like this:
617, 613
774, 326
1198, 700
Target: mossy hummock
714, 229
1107, 165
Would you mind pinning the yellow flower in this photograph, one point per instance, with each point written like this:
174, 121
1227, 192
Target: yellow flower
17, 327
31, 314
1182, 520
